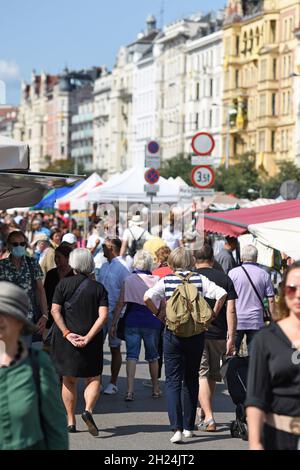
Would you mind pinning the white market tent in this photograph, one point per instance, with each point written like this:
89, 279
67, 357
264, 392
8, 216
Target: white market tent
283, 235
77, 199
14, 155
130, 186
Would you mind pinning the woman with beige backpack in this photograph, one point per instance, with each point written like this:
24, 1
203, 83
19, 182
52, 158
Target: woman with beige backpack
187, 316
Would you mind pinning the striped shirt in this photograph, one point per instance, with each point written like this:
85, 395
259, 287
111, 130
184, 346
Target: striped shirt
166, 286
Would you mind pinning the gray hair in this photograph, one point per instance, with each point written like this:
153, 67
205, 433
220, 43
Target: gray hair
249, 253
143, 260
82, 261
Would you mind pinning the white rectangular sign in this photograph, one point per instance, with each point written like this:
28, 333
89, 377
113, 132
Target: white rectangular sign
152, 162
203, 192
151, 188
197, 161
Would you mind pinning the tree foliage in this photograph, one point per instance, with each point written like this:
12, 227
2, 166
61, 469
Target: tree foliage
287, 171
177, 166
63, 166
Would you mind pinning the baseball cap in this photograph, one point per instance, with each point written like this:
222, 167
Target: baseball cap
69, 238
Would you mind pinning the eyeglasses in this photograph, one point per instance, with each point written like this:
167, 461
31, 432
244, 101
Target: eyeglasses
290, 290
18, 243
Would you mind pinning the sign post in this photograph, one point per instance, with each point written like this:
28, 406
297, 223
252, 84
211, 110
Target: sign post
152, 154
203, 176
151, 177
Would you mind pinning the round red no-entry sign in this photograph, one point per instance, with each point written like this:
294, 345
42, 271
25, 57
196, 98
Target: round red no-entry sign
203, 144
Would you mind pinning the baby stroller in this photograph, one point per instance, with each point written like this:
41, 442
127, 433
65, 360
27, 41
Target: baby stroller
234, 373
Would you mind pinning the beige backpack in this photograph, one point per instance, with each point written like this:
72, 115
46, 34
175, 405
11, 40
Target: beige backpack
187, 312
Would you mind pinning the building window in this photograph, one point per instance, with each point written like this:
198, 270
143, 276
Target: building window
237, 45
211, 87
274, 69
198, 91
211, 118
273, 31
62, 149
273, 137
197, 121
273, 104
237, 76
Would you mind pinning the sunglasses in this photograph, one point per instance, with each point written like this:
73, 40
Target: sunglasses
19, 244
290, 290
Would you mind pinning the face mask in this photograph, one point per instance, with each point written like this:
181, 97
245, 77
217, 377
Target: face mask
19, 251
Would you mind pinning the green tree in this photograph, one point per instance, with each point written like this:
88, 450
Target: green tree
177, 166
287, 171
63, 166
239, 178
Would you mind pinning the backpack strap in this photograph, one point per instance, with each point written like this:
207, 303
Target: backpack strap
76, 293
185, 279
141, 236
35, 366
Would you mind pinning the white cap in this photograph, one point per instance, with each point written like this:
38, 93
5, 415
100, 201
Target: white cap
69, 238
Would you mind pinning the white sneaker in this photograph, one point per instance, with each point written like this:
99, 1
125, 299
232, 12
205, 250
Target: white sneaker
176, 438
111, 389
187, 433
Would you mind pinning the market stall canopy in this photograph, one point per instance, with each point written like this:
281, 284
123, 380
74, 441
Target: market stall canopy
130, 186
79, 193
235, 223
14, 155
49, 199
27, 189
282, 235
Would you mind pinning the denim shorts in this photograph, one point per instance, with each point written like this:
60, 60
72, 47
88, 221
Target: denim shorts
133, 339
112, 342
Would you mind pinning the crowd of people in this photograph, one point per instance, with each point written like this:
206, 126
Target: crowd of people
65, 294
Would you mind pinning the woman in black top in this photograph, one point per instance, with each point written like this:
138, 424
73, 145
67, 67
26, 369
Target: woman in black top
273, 388
80, 310
53, 276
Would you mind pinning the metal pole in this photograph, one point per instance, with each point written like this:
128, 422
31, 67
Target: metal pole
227, 140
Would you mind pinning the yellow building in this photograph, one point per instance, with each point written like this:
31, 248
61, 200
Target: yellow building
258, 109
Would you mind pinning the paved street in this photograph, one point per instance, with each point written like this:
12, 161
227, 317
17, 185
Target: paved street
143, 424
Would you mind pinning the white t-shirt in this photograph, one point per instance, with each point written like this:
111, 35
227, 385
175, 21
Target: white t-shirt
172, 239
135, 232
98, 255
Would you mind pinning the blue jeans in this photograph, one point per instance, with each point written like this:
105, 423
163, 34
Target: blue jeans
133, 339
182, 363
249, 337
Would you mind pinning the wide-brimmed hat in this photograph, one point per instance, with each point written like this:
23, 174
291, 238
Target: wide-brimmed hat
40, 237
14, 302
136, 220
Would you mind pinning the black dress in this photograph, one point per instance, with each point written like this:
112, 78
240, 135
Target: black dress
51, 281
273, 383
69, 360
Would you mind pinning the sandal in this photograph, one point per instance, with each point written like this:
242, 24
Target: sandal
129, 396
156, 394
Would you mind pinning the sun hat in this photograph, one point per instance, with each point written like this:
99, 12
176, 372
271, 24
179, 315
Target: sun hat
137, 220
69, 238
14, 302
40, 237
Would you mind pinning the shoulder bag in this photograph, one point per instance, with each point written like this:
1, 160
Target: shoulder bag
266, 311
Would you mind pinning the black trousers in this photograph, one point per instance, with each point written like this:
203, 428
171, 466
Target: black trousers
279, 440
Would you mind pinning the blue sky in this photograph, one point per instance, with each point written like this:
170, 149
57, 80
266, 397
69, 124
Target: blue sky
49, 34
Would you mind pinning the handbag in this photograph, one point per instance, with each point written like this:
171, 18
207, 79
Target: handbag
120, 333
266, 312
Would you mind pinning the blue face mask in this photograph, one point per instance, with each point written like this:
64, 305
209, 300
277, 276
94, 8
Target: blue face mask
19, 251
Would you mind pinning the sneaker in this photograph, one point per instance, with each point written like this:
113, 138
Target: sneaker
208, 426
177, 438
187, 433
111, 389
91, 425
147, 383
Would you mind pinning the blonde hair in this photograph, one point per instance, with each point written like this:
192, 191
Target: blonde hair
181, 259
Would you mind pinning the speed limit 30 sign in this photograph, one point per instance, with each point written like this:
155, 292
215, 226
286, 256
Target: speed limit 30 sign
203, 177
